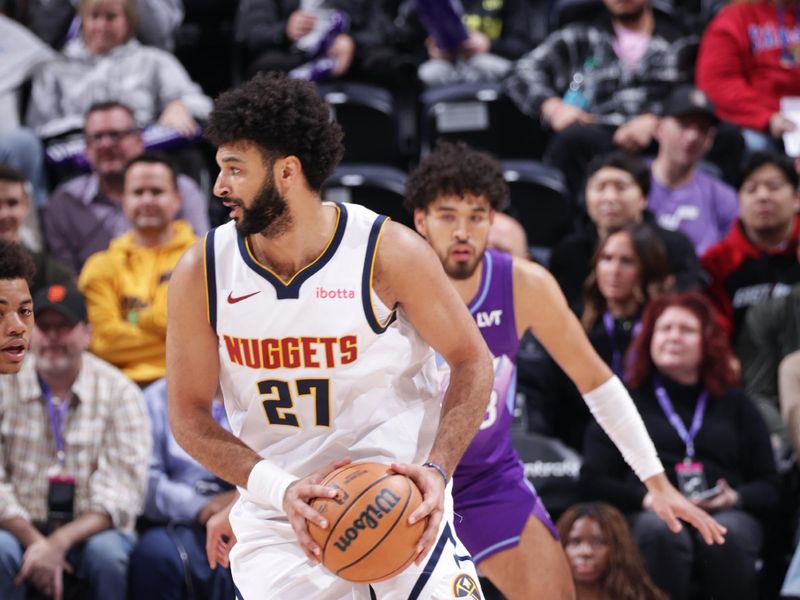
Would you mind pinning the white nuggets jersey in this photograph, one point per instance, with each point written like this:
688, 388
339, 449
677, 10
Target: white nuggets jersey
317, 368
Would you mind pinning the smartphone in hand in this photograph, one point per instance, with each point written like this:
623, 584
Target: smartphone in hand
707, 494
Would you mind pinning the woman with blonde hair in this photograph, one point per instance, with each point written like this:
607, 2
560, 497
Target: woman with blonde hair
105, 62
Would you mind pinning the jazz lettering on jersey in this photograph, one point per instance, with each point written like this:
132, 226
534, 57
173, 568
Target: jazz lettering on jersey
292, 352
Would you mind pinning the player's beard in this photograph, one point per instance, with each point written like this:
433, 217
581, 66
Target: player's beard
268, 215
462, 270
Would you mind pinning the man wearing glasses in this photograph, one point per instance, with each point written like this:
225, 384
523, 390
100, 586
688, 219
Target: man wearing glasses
85, 213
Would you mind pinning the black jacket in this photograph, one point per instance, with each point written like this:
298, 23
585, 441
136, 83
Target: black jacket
554, 405
732, 444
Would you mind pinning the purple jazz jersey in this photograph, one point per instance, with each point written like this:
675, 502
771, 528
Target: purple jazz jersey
490, 492
493, 311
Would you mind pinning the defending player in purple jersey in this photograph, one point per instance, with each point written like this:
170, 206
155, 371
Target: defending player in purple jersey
491, 456
493, 311
454, 193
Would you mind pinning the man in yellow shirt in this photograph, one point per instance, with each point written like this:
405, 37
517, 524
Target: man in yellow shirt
126, 286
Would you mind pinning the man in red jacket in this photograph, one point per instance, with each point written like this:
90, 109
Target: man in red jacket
749, 59
758, 259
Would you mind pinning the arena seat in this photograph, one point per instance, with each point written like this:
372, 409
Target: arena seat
369, 116
552, 467
565, 12
482, 116
378, 187
538, 20
539, 201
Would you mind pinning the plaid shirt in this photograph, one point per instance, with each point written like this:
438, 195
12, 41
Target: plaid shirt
107, 444
618, 94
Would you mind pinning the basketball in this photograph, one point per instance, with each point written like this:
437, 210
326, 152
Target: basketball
368, 537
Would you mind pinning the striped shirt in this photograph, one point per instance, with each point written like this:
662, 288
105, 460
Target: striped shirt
107, 444
582, 55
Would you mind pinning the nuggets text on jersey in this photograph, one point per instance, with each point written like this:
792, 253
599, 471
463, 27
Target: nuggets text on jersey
292, 352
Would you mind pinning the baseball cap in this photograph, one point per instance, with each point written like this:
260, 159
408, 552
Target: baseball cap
67, 300
688, 100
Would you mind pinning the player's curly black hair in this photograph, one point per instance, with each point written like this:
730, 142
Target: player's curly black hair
283, 117
456, 169
15, 262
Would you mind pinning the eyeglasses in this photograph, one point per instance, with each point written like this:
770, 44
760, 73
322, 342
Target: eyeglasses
114, 136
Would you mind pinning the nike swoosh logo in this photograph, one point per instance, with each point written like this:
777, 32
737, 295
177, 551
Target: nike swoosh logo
233, 300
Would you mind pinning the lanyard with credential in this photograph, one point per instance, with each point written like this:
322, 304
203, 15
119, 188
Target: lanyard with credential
676, 421
58, 417
616, 355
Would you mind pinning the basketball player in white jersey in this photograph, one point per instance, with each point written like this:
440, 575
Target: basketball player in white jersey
16, 305
317, 319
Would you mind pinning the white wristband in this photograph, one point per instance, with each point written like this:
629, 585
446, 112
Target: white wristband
267, 483
614, 410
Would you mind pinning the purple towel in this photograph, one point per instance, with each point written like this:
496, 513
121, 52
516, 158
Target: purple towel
316, 70
442, 19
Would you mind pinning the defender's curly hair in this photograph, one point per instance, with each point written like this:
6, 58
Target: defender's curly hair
456, 169
282, 117
15, 262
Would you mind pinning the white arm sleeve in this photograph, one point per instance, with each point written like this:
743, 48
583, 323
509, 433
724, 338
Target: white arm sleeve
267, 483
613, 408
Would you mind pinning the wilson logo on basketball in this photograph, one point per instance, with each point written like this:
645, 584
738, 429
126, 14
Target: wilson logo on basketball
382, 505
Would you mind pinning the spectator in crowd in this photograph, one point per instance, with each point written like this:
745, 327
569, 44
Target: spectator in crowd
603, 557
15, 205
169, 561
390, 46
16, 306
86, 213
106, 63
21, 149
682, 379
747, 62
20, 220
497, 35
616, 195
684, 197
789, 393
771, 332
508, 235
273, 33
50, 20
599, 85
629, 268
23, 52
758, 259
126, 285
74, 448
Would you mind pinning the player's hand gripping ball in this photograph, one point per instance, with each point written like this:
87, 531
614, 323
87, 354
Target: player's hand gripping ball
368, 538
